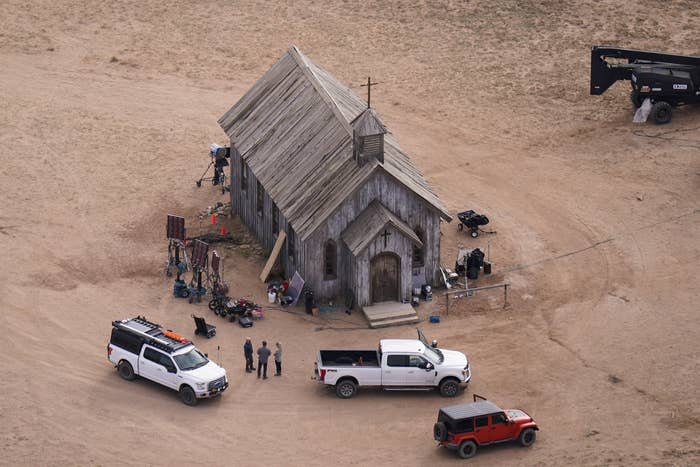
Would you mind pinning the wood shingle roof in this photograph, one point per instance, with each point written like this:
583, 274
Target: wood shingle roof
293, 130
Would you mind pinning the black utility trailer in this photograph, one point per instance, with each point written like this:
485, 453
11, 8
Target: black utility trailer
668, 80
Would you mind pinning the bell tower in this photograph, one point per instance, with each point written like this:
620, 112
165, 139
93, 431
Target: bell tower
368, 137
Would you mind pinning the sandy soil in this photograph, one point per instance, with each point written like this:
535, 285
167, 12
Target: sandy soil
107, 112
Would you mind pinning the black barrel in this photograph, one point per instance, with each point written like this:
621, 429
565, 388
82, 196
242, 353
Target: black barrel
309, 301
487, 267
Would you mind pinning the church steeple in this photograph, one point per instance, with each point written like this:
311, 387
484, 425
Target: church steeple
368, 137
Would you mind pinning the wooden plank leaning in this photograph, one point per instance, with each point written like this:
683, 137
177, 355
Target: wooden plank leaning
273, 256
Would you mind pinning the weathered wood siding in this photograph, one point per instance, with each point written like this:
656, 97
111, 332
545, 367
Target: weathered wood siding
244, 205
407, 206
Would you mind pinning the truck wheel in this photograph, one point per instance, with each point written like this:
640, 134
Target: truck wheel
449, 388
467, 449
126, 371
527, 437
460, 226
345, 389
188, 396
661, 112
474, 233
440, 431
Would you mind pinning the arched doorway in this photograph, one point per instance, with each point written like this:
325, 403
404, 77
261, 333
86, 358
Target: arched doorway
384, 273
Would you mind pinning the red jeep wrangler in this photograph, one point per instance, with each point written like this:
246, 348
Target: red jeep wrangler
465, 427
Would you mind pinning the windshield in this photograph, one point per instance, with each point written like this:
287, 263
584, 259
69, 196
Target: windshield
434, 354
191, 360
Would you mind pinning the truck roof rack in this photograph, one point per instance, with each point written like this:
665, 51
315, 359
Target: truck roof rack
151, 333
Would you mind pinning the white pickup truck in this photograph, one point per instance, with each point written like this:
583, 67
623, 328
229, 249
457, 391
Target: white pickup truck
399, 364
138, 347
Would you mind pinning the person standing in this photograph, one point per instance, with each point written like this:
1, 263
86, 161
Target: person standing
248, 352
278, 359
263, 355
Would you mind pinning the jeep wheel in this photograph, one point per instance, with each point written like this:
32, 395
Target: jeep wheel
346, 389
126, 371
467, 449
440, 431
188, 396
527, 437
449, 388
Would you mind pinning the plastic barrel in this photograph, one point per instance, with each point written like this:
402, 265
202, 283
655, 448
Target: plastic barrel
487, 268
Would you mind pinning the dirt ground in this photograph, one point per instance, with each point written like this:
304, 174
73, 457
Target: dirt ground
108, 108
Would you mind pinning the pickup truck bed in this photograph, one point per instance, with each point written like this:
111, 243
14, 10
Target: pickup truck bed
349, 358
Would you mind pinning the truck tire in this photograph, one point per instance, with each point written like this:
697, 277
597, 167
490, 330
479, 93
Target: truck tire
466, 449
449, 387
187, 396
527, 437
440, 431
345, 389
126, 371
661, 112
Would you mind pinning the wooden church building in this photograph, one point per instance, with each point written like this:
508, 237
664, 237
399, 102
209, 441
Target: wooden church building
308, 157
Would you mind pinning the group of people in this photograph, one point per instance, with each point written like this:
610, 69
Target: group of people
263, 355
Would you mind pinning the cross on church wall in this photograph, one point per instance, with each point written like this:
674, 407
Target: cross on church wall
386, 235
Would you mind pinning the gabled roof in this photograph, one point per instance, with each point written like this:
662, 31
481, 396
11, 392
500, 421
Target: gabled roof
369, 223
293, 130
474, 409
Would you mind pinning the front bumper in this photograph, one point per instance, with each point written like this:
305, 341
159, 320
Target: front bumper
213, 393
467, 375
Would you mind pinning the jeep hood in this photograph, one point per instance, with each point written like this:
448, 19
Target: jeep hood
207, 373
518, 416
454, 358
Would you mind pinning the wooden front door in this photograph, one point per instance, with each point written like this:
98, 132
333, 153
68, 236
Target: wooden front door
384, 269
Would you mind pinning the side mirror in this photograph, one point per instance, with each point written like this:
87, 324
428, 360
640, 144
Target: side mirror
206, 355
428, 366
172, 369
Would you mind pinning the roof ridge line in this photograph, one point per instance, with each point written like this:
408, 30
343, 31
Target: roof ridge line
301, 61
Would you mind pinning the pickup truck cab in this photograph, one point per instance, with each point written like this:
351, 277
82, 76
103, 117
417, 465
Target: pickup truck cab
138, 347
398, 364
465, 427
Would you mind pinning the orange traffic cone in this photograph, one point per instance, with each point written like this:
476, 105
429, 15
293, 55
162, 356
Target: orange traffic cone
213, 219
223, 229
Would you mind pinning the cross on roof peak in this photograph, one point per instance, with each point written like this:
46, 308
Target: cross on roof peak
369, 89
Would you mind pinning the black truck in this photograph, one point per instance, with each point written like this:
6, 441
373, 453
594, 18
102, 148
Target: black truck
668, 80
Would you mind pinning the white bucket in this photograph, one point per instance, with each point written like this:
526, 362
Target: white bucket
271, 296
